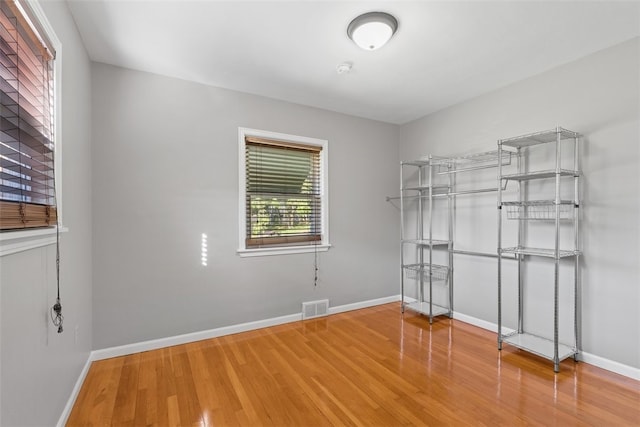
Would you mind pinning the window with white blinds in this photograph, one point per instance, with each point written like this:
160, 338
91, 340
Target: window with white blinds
27, 191
283, 193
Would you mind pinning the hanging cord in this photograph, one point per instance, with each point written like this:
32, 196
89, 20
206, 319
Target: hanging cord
315, 264
56, 311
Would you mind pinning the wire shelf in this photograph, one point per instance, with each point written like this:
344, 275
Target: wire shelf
426, 242
539, 175
549, 253
436, 189
475, 161
423, 308
538, 210
540, 346
437, 272
539, 138
423, 161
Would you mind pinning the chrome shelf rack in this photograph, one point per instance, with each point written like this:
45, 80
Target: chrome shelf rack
421, 269
433, 180
554, 210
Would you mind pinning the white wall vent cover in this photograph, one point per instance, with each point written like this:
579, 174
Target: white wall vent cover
313, 309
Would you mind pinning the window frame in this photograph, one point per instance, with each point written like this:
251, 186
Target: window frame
324, 244
13, 241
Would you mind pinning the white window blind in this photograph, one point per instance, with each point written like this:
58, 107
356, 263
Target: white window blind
27, 192
283, 193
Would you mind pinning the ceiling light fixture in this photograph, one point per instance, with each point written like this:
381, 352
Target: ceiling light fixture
372, 30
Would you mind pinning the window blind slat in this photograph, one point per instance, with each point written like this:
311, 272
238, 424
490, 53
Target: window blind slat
11, 96
18, 166
8, 72
38, 161
44, 187
11, 111
30, 62
21, 133
29, 167
27, 189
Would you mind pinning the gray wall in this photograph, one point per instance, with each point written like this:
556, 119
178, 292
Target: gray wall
599, 97
165, 170
39, 366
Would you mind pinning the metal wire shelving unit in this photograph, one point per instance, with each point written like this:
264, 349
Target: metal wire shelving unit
436, 180
421, 269
556, 210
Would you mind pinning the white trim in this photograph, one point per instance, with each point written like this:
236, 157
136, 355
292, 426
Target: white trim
12, 242
324, 196
33, 8
74, 393
363, 304
592, 359
282, 250
480, 323
610, 365
123, 350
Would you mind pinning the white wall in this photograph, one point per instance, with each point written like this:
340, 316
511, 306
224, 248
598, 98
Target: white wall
39, 366
599, 97
165, 170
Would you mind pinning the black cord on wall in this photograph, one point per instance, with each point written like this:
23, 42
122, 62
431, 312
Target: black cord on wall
56, 311
315, 264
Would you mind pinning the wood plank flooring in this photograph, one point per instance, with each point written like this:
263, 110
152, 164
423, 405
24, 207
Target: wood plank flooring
370, 367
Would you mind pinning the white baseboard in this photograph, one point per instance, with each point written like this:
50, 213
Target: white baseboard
480, 323
123, 350
592, 359
74, 393
610, 365
363, 304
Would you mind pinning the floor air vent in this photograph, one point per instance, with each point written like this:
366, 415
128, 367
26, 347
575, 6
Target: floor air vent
313, 309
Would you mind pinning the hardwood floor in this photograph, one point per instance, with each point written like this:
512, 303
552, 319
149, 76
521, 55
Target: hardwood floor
369, 367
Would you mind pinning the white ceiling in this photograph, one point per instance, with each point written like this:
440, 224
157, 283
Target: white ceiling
443, 53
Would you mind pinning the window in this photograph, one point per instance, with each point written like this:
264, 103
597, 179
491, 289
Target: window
283, 206
27, 189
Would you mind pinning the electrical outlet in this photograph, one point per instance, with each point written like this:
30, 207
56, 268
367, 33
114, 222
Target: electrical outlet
75, 335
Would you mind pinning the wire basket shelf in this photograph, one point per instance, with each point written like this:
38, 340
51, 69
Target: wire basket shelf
538, 210
437, 272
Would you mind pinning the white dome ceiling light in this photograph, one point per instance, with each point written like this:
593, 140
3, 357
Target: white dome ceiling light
372, 30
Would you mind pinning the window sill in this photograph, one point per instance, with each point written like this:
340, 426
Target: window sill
283, 250
12, 242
